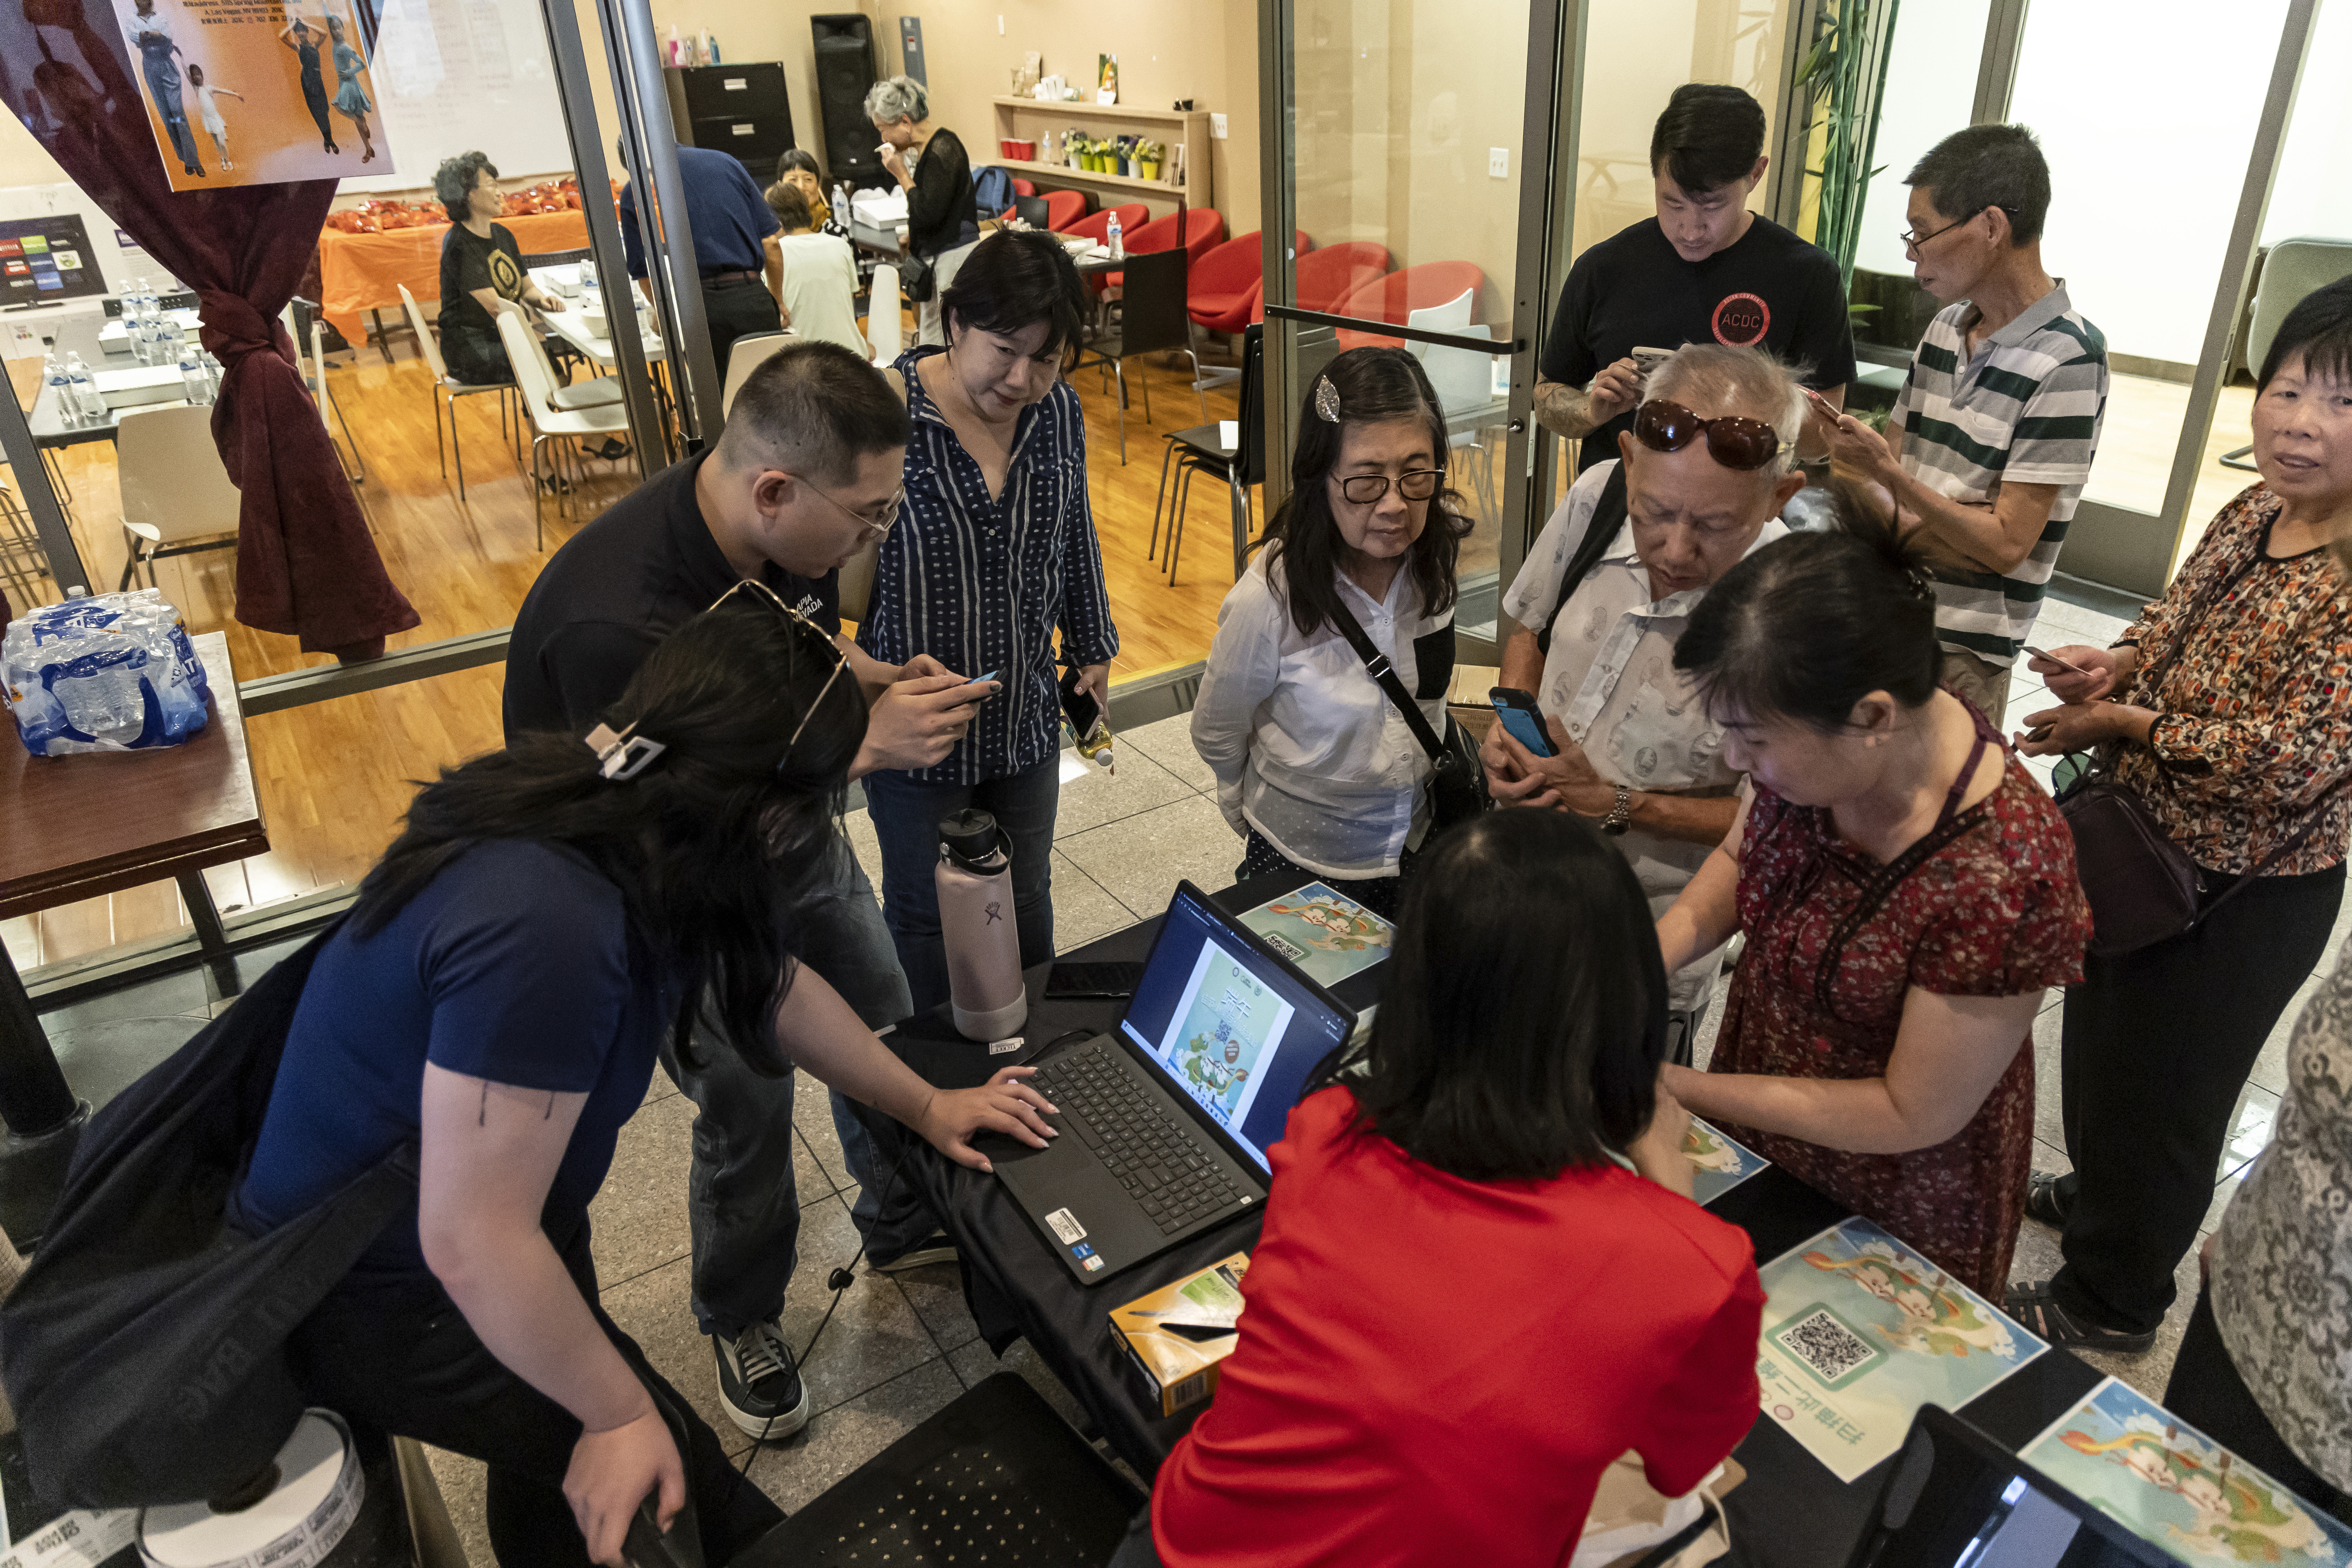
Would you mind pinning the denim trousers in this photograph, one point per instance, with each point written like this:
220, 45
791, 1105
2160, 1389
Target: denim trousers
742, 1206
163, 81
907, 816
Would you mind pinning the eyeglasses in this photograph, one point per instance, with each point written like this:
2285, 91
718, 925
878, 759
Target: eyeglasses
1731, 441
1913, 239
759, 593
1413, 484
889, 512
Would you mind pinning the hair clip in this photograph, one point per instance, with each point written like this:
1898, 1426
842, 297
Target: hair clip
624, 756
1327, 400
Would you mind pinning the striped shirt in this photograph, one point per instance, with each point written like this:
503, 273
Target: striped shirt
2027, 407
982, 585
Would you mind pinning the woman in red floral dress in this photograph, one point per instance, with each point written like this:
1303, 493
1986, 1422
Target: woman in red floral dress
1908, 893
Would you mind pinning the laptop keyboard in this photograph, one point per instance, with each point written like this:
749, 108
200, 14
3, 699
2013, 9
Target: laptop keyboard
1161, 1164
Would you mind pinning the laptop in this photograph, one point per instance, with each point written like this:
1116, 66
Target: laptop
1166, 1121
1956, 1499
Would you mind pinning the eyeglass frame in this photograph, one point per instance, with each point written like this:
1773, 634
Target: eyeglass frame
776, 602
1913, 240
876, 529
1437, 476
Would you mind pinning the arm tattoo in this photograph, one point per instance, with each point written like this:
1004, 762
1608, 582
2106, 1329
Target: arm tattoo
1561, 408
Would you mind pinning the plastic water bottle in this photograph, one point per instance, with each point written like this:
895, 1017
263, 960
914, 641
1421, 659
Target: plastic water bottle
977, 924
592, 292
1117, 250
841, 204
90, 402
194, 383
60, 386
213, 371
100, 692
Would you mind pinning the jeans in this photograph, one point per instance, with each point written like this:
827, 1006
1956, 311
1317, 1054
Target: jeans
163, 81
906, 817
397, 1356
2209, 1392
742, 1206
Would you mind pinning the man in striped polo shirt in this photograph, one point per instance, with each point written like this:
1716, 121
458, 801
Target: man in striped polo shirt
1987, 447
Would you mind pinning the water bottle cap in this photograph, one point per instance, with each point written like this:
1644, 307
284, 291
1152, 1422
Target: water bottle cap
970, 835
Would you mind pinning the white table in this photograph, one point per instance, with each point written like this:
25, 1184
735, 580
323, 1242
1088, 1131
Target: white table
572, 328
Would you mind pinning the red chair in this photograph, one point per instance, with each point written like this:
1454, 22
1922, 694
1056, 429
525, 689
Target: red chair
1228, 288
1328, 276
1396, 296
1066, 207
1023, 188
1203, 227
1096, 225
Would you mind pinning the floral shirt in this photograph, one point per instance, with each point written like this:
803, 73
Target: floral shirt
2256, 705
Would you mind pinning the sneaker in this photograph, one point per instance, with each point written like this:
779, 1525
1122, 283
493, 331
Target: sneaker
933, 1249
758, 1385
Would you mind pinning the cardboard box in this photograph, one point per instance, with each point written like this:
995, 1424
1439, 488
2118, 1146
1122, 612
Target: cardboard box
1177, 1335
1466, 698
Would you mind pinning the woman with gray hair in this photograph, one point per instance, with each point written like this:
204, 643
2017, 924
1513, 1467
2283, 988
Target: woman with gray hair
931, 166
481, 266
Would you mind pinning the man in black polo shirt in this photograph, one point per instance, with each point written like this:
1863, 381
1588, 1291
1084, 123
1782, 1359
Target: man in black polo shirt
1705, 270
807, 470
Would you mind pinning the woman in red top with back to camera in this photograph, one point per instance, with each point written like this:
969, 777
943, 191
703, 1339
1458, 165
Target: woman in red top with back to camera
1482, 1277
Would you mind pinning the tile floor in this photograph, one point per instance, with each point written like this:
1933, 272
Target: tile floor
896, 1349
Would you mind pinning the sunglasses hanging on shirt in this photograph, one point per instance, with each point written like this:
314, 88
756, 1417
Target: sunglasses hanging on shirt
1732, 441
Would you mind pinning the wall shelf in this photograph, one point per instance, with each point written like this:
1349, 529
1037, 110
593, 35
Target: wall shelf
1028, 118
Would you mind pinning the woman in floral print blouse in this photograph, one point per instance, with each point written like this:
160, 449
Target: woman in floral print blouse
2242, 745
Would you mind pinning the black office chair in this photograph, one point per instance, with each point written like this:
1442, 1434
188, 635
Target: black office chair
1198, 450
995, 1478
1152, 318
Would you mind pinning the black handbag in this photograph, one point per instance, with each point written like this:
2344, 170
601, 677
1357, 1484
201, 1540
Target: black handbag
1458, 789
144, 1349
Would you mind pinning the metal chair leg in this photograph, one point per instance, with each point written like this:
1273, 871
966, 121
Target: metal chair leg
1144, 381
1158, 500
538, 501
439, 449
1176, 527
1119, 366
1197, 383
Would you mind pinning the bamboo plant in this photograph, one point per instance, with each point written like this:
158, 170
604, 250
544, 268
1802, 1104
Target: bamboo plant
1842, 80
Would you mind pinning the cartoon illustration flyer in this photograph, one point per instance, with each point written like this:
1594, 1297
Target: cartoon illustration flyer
2171, 1484
1718, 1163
1860, 1332
1227, 1021
1328, 936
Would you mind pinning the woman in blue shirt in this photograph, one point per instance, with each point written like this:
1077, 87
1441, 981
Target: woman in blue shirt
994, 553
497, 996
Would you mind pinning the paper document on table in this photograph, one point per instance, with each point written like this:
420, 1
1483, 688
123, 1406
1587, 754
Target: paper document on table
1718, 1163
1860, 1332
2168, 1483
879, 209
1328, 936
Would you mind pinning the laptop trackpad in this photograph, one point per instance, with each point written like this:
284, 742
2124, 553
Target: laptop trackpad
1075, 1202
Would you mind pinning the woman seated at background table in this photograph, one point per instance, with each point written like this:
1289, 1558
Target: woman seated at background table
480, 264
798, 169
1908, 894
1315, 768
818, 292
1468, 1300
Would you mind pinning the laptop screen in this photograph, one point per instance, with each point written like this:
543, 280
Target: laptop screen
1234, 1028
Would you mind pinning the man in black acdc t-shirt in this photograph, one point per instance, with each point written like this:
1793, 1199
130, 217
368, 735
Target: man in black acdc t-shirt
1705, 269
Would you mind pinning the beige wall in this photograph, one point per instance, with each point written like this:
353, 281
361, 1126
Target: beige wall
1205, 50
22, 159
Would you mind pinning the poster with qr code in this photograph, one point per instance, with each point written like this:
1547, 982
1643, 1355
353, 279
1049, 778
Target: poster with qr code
1860, 1332
2167, 1483
1718, 1163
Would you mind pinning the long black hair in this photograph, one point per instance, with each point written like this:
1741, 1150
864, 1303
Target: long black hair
1374, 387
1523, 1005
1808, 626
711, 844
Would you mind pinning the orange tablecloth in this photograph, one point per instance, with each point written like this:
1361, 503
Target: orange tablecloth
360, 272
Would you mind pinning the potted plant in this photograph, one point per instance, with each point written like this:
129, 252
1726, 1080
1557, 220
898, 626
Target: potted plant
1148, 156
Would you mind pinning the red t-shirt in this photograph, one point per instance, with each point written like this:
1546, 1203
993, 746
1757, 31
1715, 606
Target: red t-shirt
1437, 1371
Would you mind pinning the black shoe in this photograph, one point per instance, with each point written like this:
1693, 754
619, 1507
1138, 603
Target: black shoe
613, 450
933, 1249
759, 1386
2041, 1200
2037, 1310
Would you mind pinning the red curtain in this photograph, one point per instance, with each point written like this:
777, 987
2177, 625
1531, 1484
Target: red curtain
305, 564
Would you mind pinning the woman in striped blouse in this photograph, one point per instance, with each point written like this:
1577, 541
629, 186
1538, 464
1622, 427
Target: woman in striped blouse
2229, 702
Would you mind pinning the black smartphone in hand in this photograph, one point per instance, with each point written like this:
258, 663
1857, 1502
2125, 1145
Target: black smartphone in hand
1079, 707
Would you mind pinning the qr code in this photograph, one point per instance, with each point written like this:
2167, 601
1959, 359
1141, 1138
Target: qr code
1828, 1348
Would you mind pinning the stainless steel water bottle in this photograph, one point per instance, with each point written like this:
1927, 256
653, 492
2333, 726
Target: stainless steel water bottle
976, 922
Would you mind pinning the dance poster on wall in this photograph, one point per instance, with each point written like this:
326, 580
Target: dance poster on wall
257, 92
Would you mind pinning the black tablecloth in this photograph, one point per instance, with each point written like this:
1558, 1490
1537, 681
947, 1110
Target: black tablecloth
1791, 1513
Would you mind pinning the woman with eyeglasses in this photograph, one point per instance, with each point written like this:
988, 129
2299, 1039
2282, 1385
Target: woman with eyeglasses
1315, 768
497, 997
1907, 892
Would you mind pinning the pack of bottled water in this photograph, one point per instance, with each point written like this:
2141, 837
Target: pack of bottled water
111, 673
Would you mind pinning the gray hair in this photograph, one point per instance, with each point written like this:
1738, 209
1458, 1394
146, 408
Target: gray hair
454, 180
898, 98
1750, 382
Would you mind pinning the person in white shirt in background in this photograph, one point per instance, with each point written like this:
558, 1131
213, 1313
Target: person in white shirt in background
1708, 465
1315, 769
209, 112
817, 287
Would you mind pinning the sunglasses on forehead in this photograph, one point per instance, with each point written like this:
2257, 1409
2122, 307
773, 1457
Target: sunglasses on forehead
1731, 441
754, 592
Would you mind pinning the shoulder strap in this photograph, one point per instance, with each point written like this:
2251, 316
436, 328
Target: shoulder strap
1599, 532
1376, 664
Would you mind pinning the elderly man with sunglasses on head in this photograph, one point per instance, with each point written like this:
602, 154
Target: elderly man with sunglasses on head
807, 474
1697, 484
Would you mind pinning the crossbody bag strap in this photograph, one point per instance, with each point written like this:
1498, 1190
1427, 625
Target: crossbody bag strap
1599, 533
1377, 665
2310, 824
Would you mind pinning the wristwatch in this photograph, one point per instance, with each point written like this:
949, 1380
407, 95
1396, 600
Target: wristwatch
1620, 815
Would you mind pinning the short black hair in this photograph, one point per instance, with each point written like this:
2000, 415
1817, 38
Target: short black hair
2320, 329
457, 177
1810, 624
1523, 1004
1014, 280
1988, 166
815, 409
798, 158
790, 207
1709, 136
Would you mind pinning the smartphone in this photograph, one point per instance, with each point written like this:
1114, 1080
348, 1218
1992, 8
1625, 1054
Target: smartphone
1519, 714
1105, 980
1648, 360
2061, 663
1079, 707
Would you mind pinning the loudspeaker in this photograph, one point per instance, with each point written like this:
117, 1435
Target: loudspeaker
845, 70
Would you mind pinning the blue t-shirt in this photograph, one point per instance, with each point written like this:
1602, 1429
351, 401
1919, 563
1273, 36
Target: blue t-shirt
516, 964
725, 209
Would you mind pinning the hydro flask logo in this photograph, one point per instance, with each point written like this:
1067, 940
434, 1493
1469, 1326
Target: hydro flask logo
995, 913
